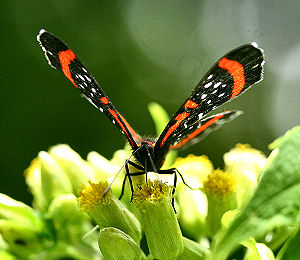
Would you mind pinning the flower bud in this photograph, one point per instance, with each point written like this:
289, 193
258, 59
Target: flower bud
46, 180
22, 239
78, 171
115, 244
192, 215
162, 230
68, 220
16, 210
107, 210
103, 168
246, 163
194, 168
220, 190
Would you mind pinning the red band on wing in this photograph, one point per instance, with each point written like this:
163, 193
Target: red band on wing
179, 118
236, 70
104, 100
133, 133
65, 58
115, 115
197, 131
190, 104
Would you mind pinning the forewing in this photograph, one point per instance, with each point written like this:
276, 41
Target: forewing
60, 57
227, 79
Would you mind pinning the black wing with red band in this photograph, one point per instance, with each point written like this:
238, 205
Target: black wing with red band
60, 57
227, 79
200, 129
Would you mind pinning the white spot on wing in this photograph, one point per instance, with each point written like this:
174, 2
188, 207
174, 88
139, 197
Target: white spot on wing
88, 78
210, 76
222, 94
200, 115
207, 85
81, 77
217, 84
203, 96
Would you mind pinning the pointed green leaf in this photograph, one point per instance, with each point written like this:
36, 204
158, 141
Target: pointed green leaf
275, 202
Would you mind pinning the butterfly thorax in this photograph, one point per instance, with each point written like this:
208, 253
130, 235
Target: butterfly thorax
145, 155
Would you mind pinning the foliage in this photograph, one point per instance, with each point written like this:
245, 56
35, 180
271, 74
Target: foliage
252, 204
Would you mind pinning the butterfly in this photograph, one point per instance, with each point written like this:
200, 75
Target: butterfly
228, 78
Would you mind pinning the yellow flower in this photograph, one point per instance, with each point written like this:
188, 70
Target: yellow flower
220, 189
194, 168
159, 221
246, 163
107, 211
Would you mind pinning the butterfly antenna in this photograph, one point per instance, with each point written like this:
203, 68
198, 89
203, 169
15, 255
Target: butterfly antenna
109, 186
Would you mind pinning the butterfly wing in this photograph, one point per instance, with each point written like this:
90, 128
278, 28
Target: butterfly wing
60, 57
228, 78
201, 128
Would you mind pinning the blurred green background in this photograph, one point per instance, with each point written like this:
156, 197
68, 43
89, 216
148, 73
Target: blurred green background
140, 51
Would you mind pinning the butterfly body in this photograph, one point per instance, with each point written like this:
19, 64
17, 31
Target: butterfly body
145, 156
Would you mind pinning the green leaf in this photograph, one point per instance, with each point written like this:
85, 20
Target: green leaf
192, 250
291, 249
275, 202
160, 117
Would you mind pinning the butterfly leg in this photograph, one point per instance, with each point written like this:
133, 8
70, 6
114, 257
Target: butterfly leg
183, 181
130, 181
128, 174
171, 171
123, 187
173, 192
